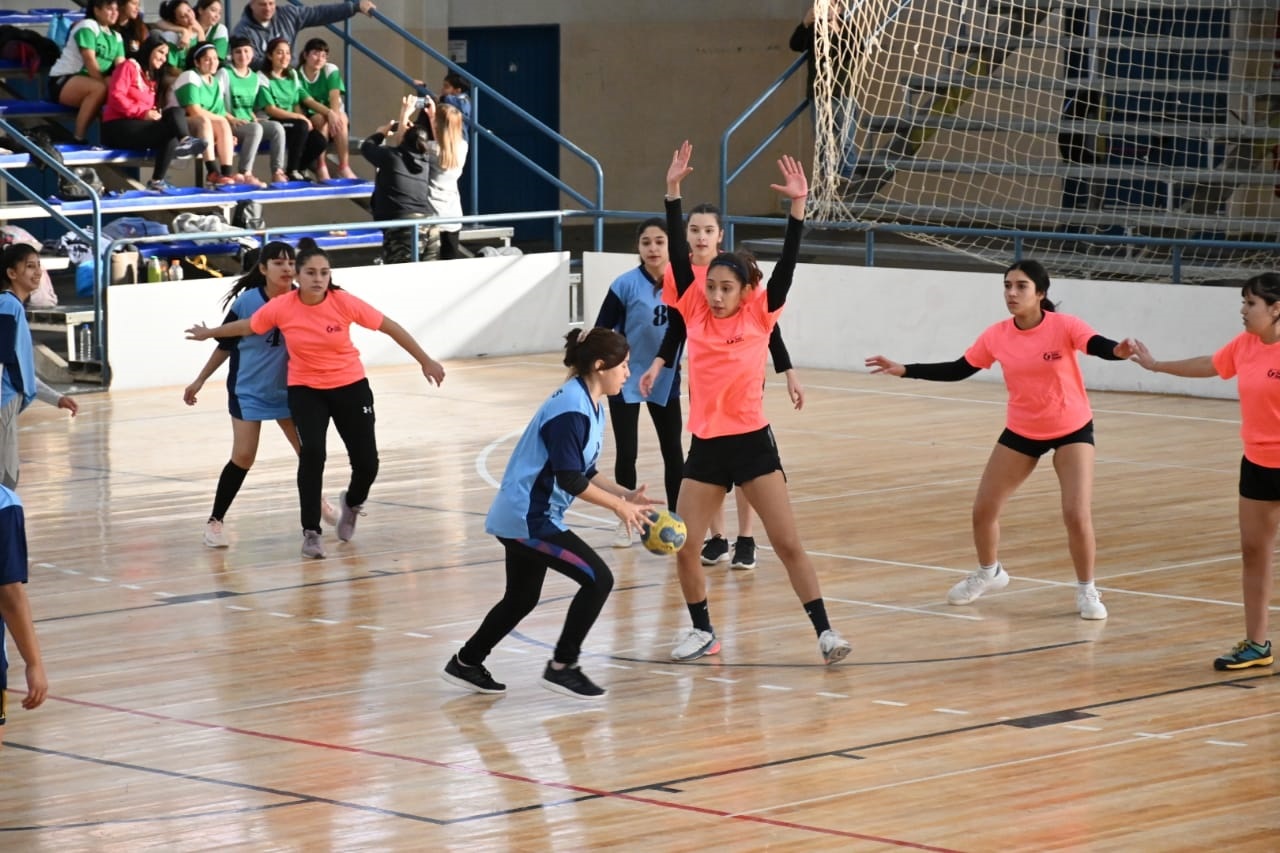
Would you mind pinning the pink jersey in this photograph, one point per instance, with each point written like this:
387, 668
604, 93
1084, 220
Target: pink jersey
1046, 391
318, 337
726, 362
1256, 367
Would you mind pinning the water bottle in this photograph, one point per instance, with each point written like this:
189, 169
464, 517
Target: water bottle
175, 270
84, 342
155, 270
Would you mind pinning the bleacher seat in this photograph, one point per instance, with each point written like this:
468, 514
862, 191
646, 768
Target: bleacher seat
32, 109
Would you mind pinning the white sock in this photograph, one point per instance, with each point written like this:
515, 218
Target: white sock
1083, 585
991, 570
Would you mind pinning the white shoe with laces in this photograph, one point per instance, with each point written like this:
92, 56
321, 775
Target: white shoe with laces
328, 513
693, 643
977, 584
834, 647
1089, 603
214, 535
622, 536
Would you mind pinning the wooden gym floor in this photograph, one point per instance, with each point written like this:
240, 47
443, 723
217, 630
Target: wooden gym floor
247, 699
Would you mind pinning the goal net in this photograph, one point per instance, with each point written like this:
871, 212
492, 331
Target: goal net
1123, 118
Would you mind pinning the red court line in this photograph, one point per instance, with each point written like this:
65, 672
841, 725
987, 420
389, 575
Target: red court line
513, 777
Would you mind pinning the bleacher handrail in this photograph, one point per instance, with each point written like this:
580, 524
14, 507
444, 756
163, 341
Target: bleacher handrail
726, 176
35, 151
477, 87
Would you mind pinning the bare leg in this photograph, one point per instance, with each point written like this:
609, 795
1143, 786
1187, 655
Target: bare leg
1258, 523
697, 505
769, 496
1006, 470
1074, 465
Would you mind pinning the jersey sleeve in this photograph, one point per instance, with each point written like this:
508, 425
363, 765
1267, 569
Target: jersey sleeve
333, 79
981, 354
565, 437
229, 343
187, 89
86, 38
361, 312
267, 317
1224, 360
1080, 332
13, 544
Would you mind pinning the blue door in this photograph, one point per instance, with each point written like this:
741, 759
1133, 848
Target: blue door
523, 64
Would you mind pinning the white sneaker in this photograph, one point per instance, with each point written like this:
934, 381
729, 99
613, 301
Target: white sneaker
977, 584
312, 546
328, 512
214, 535
692, 643
622, 536
834, 648
1089, 603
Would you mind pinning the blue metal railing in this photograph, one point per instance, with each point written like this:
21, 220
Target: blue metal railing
479, 92
728, 176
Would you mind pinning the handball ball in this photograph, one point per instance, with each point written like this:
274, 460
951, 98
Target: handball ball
664, 534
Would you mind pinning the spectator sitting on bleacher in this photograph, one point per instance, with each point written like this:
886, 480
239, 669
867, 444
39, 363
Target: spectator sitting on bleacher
79, 78
401, 186
132, 118
282, 101
199, 90
324, 88
209, 16
243, 87
263, 22
180, 28
130, 26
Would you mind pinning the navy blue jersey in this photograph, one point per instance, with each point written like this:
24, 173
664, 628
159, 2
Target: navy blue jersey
257, 382
564, 435
17, 358
634, 307
13, 538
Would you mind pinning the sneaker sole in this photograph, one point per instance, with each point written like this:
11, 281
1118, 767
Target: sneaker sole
707, 562
209, 544
837, 654
565, 691
997, 588
467, 685
742, 566
1222, 666
711, 648
1096, 617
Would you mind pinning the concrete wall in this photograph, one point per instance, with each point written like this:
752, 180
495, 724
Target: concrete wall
836, 316
455, 309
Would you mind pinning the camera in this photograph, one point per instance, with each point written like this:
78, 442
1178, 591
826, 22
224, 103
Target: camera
421, 102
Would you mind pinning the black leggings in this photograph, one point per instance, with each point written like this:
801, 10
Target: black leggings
351, 410
160, 135
668, 422
302, 143
527, 564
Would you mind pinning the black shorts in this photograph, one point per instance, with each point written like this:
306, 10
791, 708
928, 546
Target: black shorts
731, 460
1037, 447
1258, 483
56, 85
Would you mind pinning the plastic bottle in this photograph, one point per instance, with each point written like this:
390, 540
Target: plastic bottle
84, 342
155, 270
175, 270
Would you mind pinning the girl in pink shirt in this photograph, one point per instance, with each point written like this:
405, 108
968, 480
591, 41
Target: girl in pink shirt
326, 382
1048, 410
729, 322
1253, 357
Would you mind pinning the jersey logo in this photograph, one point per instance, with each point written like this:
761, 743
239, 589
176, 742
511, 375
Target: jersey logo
1052, 355
333, 329
736, 339
1273, 373
368, 410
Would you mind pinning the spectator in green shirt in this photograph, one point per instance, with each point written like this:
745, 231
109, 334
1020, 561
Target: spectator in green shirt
243, 88
323, 83
199, 91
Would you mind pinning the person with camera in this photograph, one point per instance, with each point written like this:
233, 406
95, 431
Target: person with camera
401, 187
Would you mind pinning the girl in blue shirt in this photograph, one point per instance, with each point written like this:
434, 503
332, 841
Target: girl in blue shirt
553, 463
634, 307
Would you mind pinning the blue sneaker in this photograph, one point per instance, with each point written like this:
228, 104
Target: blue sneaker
1245, 654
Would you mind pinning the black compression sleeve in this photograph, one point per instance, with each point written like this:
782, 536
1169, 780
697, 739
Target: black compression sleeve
681, 266
778, 351
669, 350
1102, 348
573, 482
784, 270
941, 371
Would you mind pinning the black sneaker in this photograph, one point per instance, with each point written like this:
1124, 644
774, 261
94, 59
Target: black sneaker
474, 678
715, 550
744, 553
571, 681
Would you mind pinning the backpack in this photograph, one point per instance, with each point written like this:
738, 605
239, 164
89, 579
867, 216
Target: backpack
28, 48
69, 191
248, 215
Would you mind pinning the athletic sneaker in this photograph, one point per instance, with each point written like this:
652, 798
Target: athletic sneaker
622, 536
715, 550
571, 681
189, 146
311, 545
744, 553
693, 643
347, 516
834, 648
160, 185
1089, 603
976, 584
1245, 654
214, 535
474, 678
328, 513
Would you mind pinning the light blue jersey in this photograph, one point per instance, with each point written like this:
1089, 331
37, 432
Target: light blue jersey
257, 382
564, 435
17, 357
634, 308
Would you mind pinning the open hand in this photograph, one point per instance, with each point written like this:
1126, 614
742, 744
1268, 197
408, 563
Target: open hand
794, 184
199, 333
880, 364
679, 168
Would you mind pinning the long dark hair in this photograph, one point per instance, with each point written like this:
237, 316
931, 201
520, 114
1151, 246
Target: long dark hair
584, 347
254, 276
14, 256
1039, 277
